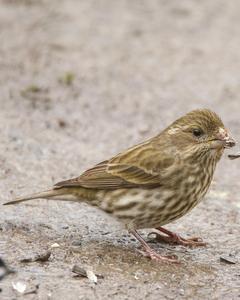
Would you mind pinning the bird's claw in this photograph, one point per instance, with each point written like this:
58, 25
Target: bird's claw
160, 258
176, 239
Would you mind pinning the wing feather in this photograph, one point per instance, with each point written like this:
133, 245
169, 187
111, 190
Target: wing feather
140, 166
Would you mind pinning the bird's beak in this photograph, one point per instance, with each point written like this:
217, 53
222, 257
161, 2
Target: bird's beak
223, 140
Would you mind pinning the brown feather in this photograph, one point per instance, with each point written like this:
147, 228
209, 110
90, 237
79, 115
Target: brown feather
123, 171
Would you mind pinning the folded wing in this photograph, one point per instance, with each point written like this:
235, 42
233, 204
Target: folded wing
140, 166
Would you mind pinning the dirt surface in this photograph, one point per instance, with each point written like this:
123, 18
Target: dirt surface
83, 80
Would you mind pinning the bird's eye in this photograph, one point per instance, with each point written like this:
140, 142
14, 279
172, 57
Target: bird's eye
197, 132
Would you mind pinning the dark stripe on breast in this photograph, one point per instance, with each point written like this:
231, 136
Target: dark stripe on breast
126, 206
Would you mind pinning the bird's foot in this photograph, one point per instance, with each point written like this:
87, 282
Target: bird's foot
150, 253
173, 238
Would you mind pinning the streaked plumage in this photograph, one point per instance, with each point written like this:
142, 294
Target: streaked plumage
155, 182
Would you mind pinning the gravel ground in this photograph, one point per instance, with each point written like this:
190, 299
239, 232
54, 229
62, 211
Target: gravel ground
83, 80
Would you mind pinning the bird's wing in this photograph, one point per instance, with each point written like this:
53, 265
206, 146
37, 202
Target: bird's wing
140, 166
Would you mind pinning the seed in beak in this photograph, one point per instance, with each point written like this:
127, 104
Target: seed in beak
225, 138
230, 142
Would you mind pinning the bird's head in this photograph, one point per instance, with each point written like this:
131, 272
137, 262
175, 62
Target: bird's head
200, 131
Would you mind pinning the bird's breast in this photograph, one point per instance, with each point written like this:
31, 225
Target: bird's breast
130, 203
191, 187
179, 192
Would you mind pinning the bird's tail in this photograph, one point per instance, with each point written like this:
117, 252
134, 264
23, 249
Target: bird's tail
45, 194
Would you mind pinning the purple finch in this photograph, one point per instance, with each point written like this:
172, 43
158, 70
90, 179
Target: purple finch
156, 182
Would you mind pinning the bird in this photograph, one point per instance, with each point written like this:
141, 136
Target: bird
155, 182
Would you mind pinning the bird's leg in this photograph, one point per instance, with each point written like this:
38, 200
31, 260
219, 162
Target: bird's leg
173, 238
149, 252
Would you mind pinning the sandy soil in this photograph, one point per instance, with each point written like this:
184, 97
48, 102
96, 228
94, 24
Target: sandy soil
82, 80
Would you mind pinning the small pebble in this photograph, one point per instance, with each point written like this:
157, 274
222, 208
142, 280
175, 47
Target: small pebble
228, 260
19, 286
55, 245
76, 243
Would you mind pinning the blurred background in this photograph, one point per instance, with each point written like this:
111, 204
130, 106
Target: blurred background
83, 80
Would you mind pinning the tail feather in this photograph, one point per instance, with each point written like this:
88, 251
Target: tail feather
45, 194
